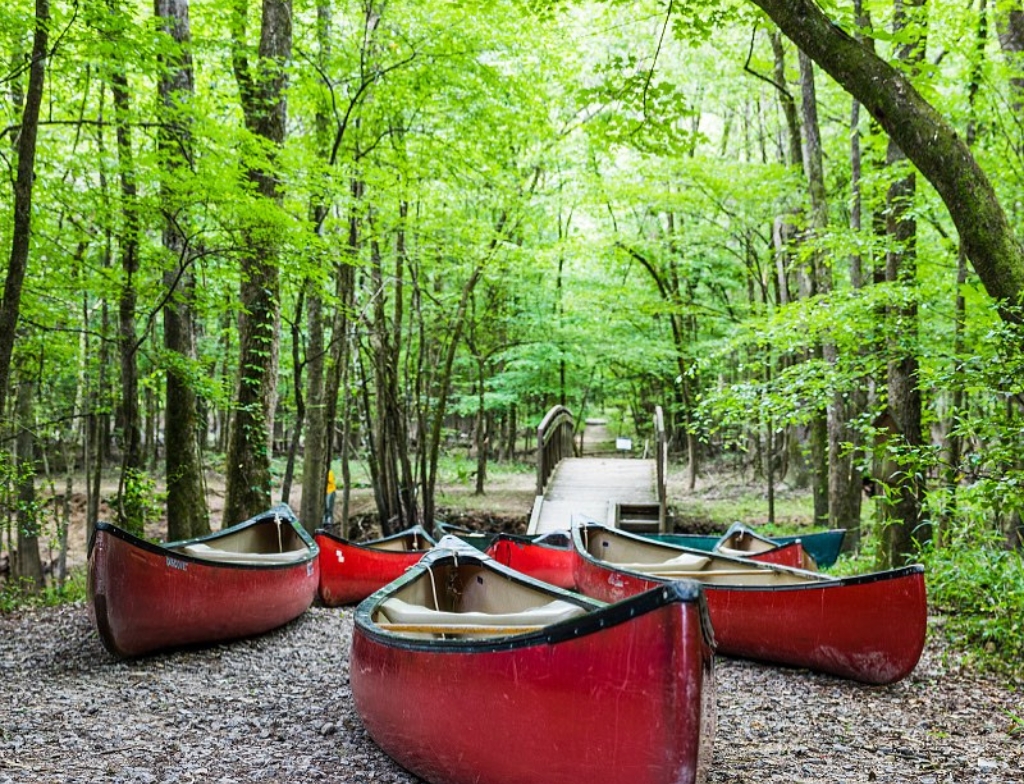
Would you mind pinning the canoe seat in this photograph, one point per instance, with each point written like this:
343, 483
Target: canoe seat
683, 563
208, 553
397, 611
733, 551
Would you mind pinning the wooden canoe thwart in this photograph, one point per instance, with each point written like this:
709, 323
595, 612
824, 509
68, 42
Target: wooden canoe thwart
461, 651
242, 581
869, 628
351, 571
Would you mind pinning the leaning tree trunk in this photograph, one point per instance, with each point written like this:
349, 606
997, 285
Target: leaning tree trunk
264, 104
927, 139
21, 231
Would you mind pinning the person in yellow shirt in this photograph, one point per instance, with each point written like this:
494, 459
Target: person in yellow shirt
329, 506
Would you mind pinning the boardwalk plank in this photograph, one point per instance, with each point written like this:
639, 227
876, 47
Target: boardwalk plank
588, 486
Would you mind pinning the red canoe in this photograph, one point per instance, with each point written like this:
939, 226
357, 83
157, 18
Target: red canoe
239, 582
351, 571
747, 543
549, 558
465, 671
869, 628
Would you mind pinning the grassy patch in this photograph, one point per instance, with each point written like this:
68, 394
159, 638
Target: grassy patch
723, 498
15, 594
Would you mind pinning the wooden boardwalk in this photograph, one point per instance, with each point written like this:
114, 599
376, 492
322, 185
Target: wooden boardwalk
593, 487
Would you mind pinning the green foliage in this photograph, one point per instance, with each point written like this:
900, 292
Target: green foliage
16, 597
979, 587
141, 504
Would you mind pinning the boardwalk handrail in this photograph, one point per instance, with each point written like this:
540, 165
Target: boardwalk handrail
661, 460
554, 441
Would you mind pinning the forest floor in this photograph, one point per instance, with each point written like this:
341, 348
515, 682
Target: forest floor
277, 708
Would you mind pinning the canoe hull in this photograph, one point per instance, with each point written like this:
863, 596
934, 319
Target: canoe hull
144, 598
869, 628
349, 572
791, 554
632, 703
553, 565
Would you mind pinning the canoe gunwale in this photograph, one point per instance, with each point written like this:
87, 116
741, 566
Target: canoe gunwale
531, 542
368, 544
168, 549
823, 546
818, 580
600, 615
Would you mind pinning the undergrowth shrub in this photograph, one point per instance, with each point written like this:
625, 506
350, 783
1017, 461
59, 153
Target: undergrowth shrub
15, 594
979, 587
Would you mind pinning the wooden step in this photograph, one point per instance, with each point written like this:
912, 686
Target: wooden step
638, 518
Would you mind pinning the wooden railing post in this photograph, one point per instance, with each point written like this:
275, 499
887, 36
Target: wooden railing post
661, 461
554, 441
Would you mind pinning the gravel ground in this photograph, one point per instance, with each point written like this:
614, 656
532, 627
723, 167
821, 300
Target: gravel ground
278, 709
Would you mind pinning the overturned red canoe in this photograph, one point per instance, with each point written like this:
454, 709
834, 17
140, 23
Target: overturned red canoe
549, 558
448, 659
351, 571
245, 580
869, 628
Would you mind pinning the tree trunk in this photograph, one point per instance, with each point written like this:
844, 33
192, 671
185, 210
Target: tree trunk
28, 567
315, 462
1010, 23
928, 140
385, 394
298, 366
789, 108
901, 527
316, 453
342, 345
187, 513
250, 436
958, 396
820, 275
131, 514
21, 232
845, 486
432, 447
